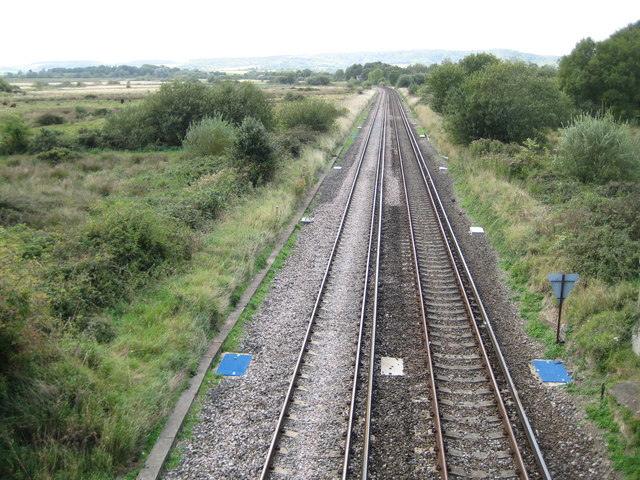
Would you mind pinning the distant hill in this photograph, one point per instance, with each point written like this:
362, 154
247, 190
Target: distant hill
333, 61
328, 61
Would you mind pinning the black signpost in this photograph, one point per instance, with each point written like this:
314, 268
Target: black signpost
562, 284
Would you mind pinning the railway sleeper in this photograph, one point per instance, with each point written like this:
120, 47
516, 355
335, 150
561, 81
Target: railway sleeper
462, 473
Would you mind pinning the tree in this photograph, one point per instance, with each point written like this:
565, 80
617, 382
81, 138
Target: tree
376, 76
506, 101
318, 80
477, 61
445, 79
605, 74
339, 75
404, 81
354, 71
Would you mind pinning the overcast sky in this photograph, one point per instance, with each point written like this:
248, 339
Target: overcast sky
117, 31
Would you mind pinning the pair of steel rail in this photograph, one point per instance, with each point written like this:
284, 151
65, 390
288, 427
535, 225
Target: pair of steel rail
467, 289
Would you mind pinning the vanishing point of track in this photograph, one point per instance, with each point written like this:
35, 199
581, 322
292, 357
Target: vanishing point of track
397, 287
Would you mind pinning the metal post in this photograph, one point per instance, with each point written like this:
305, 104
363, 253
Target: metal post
560, 309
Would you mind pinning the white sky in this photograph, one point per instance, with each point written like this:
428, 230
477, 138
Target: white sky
117, 31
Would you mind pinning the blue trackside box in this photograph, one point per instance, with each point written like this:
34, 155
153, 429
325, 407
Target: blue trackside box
234, 364
551, 371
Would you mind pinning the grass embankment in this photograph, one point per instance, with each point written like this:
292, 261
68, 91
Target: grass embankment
540, 225
95, 385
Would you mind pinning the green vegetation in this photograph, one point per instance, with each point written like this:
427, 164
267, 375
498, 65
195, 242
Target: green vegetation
605, 74
209, 136
599, 150
114, 71
117, 266
313, 114
483, 97
162, 119
5, 87
384, 74
255, 151
14, 136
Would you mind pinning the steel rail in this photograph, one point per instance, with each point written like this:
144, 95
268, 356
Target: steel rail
442, 461
444, 220
355, 384
364, 472
276, 436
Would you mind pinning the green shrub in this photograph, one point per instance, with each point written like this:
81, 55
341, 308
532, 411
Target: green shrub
101, 112
254, 150
314, 114
164, 117
605, 240
486, 146
5, 87
605, 333
318, 80
48, 139
118, 251
91, 138
236, 100
128, 129
293, 97
209, 136
81, 111
49, 119
597, 149
291, 142
58, 155
14, 136
210, 195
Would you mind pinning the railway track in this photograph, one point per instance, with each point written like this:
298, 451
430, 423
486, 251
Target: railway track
311, 424
410, 299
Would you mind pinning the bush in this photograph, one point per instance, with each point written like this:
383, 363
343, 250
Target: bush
49, 119
314, 114
91, 138
5, 87
117, 251
209, 195
101, 112
164, 117
14, 136
293, 97
487, 146
235, 101
291, 142
597, 149
209, 136
49, 139
255, 151
58, 155
319, 80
